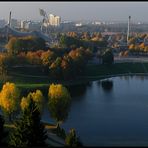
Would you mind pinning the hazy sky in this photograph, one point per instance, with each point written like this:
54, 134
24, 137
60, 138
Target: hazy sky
77, 10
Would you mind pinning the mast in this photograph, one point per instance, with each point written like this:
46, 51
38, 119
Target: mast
9, 25
9, 19
128, 29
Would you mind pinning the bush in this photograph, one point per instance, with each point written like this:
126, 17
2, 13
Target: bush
60, 132
72, 140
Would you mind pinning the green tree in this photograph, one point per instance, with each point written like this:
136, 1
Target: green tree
55, 68
38, 43
29, 131
67, 41
68, 69
11, 46
3, 67
17, 44
72, 140
59, 102
108, 57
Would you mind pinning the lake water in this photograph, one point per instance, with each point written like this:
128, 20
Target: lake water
118, 116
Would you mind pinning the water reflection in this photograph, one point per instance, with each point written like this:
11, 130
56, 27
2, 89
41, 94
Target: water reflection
142, 78
107, 85
99, 83
114, 112
79, 90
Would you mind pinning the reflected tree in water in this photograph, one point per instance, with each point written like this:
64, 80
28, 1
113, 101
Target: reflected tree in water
107, 85
78, 90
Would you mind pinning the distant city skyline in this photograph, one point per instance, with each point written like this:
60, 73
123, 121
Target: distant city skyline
103, 11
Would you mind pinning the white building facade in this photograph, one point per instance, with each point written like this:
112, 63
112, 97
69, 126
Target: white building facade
54, 20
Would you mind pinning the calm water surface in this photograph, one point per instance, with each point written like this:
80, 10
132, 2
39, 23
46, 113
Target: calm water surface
118, 116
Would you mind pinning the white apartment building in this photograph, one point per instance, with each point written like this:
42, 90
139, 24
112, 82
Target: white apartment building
30, 25
57, 21
54, 20
78, 24
23, 24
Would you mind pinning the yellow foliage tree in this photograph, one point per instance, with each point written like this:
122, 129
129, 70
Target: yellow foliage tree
10, 46
37, 98
9, 96
59, 102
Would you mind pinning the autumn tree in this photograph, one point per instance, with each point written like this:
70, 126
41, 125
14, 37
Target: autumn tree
79, 57
97, 37
86, 36
37, 97
29, 131
33, 57
146, 49
131, 47
72, 34
11, 46
67, 66
47, 57
142, 46
9, 98
132, 40
17, 44
59, 102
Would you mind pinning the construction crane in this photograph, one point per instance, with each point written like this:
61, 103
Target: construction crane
45, 19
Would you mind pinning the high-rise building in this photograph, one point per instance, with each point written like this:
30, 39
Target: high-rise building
51, 19
57, 21
31, 25
14, 23
54, 20
23, 23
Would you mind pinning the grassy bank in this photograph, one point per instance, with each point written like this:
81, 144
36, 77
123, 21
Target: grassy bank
92, 72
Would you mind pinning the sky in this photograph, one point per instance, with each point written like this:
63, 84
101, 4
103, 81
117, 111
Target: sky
103, 11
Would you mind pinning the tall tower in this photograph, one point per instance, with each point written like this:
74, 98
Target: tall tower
45, 19
128, 29
9, 25
9, 21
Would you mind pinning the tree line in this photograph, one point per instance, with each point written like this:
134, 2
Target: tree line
25, 116
58, 63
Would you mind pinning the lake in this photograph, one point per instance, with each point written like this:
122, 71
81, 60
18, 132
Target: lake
112, 116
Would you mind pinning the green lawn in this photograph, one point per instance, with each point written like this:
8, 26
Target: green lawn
118, 68
92, 72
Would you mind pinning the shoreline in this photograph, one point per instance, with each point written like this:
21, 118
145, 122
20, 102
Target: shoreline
78, 82
92, 73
